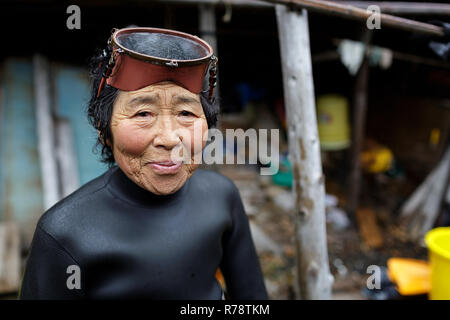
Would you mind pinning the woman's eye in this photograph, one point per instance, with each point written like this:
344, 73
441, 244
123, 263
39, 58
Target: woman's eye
186, 114
143, 114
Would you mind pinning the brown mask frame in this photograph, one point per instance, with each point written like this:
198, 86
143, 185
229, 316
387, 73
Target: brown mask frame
129, 70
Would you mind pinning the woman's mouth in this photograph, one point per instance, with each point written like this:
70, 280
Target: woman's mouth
165, 167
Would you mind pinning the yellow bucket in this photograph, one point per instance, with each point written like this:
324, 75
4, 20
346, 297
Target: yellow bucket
438, 242
332, 122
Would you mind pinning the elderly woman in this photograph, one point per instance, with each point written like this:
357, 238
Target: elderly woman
150, 227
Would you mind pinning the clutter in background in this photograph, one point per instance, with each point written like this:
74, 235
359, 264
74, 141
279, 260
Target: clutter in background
383, 128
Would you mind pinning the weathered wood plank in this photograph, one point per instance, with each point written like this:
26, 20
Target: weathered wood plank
9, 258
368, 228
420, 212
45, 132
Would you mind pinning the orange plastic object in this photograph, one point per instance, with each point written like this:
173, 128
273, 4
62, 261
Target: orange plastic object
412, 276
220, 278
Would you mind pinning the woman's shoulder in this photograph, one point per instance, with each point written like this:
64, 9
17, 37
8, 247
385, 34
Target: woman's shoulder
76, 203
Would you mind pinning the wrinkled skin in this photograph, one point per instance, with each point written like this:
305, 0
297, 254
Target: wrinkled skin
149, 125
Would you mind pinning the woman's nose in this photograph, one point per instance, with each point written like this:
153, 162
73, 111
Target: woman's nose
166, 133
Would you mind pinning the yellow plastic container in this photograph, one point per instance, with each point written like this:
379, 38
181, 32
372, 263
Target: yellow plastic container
332, 122
438, 242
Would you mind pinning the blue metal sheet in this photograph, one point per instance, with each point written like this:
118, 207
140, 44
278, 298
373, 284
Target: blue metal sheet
21, 195
72, 96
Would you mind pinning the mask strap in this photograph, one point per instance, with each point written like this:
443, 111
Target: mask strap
212, 78
106, 74
112, 61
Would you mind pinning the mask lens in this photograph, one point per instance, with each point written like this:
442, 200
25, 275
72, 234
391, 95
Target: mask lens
161, 45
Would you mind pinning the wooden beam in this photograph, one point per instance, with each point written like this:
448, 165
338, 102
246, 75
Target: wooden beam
237, 3
313, 274
390, 7
352, 12
404, 8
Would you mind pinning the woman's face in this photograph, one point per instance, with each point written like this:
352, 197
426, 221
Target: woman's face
153, 129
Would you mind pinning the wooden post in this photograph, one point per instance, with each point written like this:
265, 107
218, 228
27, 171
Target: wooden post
358, 128
207, 26
313, 274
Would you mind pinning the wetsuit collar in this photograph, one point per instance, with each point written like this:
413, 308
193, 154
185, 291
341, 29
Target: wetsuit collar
123, 187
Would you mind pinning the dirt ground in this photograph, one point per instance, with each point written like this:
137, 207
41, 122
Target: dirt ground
269, 208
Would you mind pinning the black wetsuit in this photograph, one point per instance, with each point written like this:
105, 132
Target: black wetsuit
130, 243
